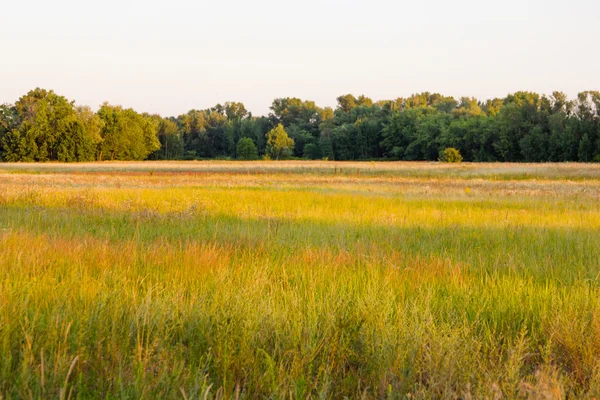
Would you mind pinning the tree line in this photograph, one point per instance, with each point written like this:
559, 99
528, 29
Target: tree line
524, 126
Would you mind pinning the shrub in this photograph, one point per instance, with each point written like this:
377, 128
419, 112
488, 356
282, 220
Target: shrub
451, 155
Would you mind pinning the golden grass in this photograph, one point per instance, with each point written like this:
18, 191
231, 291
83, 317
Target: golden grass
229, 283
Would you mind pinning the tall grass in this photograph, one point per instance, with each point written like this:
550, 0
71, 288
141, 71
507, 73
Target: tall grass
234, 288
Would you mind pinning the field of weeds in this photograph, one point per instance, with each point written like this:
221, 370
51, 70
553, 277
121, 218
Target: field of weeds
299, 280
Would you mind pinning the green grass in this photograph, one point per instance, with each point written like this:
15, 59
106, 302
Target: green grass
291, 285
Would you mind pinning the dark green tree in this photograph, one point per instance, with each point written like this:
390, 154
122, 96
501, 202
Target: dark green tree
246, 149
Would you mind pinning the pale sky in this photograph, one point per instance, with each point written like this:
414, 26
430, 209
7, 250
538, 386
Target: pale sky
168, 57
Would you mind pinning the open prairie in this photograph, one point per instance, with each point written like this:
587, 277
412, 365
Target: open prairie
299, 279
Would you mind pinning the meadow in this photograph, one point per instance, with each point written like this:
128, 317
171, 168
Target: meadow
299, 280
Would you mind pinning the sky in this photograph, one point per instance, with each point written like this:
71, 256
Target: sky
168, 57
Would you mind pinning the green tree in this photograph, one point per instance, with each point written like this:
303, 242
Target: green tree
9, 121
534, 145
326, 147
126, 135
401, 131
312, 152
218, 135
92, 131
425, 146
585, 149
44, 126
368, 137
305, 115
171, 142
523, 126
255, 129
279, 144
301, 138
246, 149
344, 142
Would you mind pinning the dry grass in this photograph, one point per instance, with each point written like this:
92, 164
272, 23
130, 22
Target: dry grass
428, 169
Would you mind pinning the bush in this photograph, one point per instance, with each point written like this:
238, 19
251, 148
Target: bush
451, 155
246, 149
190, 155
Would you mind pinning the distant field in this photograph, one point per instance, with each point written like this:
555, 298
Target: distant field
299, 279
406, 169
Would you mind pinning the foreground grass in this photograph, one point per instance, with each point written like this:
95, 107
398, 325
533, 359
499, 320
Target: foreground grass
288, 285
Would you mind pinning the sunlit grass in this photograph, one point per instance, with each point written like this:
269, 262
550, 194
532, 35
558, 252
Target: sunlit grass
298, 285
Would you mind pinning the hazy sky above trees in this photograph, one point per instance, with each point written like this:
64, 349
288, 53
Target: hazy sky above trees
169, 57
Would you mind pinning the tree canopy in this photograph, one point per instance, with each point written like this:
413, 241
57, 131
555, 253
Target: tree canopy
521, 127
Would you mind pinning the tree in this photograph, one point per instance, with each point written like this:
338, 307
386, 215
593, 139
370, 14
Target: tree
301, 138
9, 121
255, 129
92, 130
523, 126
363, 100
44, 126
326, 147
400, 132
235, 110
368, 137
171, 142
344, 142
218, 142
312, 152
279, 144
347, 102
426, 145
305, 115
468, 107
534, 145
126, 135
246, 149
585, 149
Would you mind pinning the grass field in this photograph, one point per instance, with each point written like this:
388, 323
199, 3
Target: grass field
299, 279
